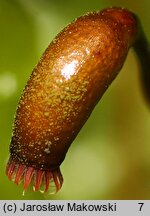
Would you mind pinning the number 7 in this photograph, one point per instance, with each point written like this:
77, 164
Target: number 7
141, 205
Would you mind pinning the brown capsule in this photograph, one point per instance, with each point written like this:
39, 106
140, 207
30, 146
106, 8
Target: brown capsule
69, 80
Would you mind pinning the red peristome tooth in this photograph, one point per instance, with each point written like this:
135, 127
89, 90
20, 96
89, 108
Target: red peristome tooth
56, 180
11, 168
19, 173
8, 165
47, 180
38, 180
60, 179
28, 177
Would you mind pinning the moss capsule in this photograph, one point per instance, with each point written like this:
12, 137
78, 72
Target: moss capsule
69, 80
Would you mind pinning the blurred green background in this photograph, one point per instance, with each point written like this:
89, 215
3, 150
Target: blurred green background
110, 158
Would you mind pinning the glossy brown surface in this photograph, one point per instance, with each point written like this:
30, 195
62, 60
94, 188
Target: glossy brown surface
71, 77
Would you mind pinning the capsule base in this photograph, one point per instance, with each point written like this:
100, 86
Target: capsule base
45, 181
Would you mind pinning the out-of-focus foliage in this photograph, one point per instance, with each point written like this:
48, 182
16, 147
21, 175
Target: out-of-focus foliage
110, 158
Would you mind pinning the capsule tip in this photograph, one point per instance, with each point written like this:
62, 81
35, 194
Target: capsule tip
45, 181
125, 18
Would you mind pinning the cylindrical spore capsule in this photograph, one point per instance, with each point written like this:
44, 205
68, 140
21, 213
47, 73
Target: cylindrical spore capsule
69, 80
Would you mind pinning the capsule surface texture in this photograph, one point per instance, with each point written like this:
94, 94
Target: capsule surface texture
64, 87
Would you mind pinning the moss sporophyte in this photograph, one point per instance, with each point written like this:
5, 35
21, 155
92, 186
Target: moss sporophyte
69, 80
